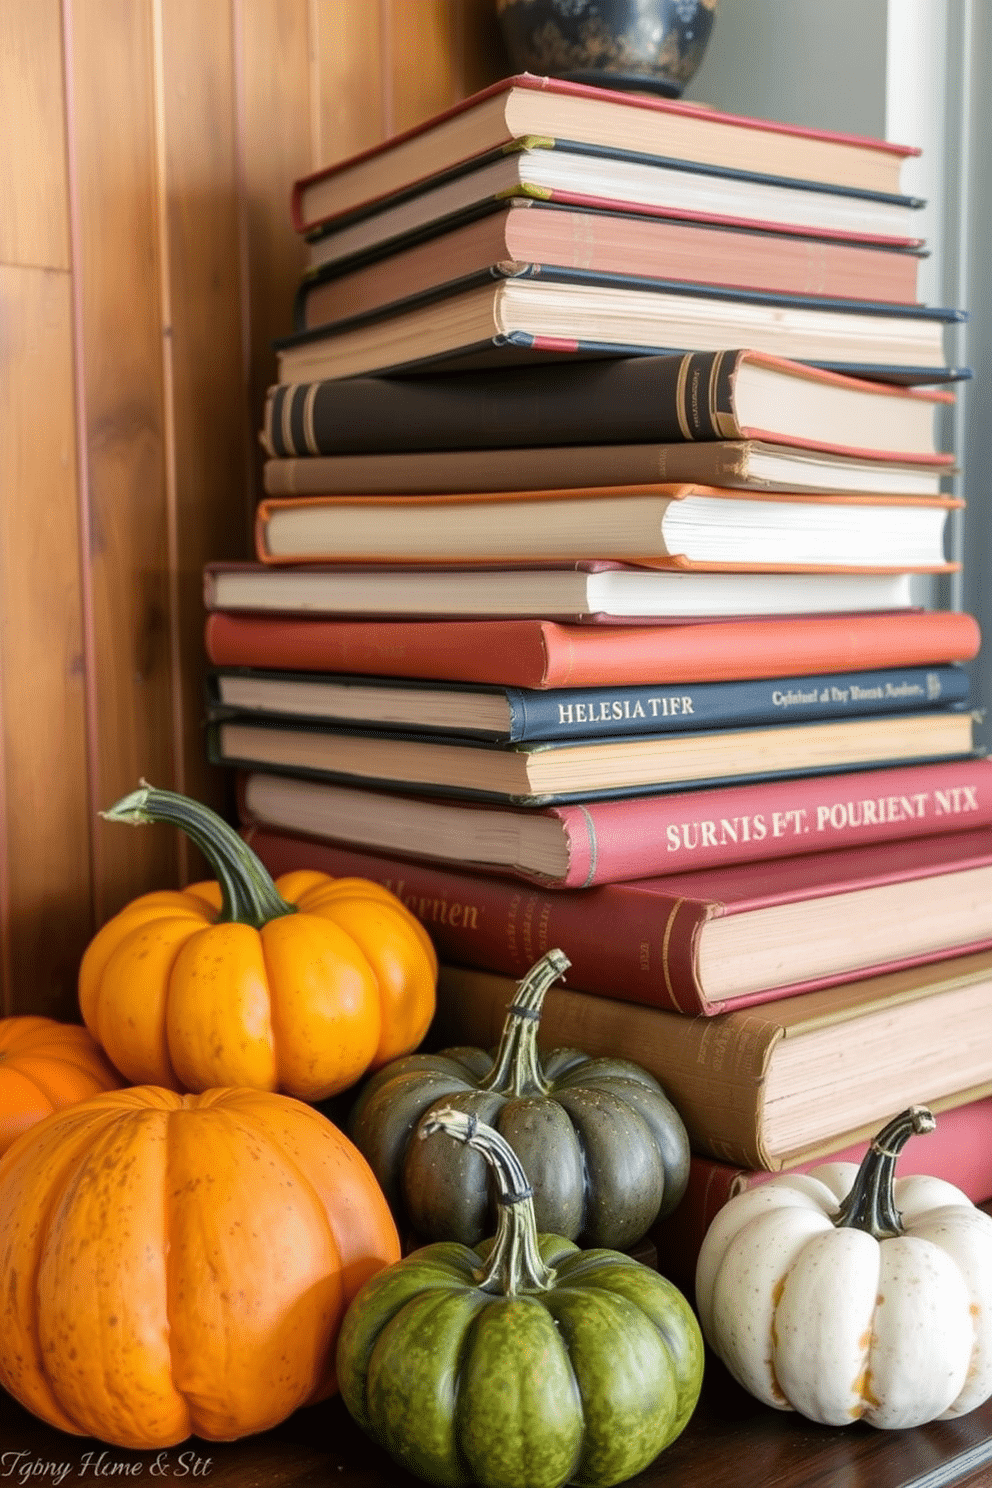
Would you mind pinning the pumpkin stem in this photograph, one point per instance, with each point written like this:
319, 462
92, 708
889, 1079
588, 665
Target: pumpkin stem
871, 1205
249, 895
517, 1068
514, 1264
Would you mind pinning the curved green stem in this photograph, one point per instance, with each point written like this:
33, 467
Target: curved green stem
871, 1204
249, 896
514, 1263
517, 1067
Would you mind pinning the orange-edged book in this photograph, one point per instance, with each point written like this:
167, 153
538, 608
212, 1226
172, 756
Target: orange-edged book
671, 526
551, 108
543, 653
958, 1150
773, 1086
705, 942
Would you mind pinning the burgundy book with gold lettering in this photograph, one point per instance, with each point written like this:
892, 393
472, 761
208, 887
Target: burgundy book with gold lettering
703, 942
577, 845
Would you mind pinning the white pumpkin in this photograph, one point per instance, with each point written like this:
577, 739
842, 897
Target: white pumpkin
846, 1294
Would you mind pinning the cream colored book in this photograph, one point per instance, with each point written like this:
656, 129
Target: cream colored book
779, 1083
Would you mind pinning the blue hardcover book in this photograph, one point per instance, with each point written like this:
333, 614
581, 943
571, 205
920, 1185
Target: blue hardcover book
514, 715
543, 772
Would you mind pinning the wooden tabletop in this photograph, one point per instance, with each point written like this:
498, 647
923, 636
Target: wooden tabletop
731, 1442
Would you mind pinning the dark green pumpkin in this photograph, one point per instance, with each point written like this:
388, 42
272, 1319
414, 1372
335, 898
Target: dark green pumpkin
605, 1151
525, 1363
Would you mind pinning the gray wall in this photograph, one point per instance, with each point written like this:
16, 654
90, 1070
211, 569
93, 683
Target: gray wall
802, 61
915, 69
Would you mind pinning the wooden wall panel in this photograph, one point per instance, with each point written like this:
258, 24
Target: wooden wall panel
207, 418
147, 262
46, 818
351, 108
273, 51
34, 218
116, 196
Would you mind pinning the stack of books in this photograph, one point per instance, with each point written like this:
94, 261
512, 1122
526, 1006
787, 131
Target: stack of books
577, 625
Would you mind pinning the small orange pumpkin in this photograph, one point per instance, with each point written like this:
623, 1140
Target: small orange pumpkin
44, 1066
179, 1264
302, 985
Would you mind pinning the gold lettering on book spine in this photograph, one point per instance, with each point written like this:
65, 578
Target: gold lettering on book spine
287, 420
722, 421
313, 448
665, 966
681, 398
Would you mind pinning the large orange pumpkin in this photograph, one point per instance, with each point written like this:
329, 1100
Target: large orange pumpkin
45, 1065
302, 985
181, 1264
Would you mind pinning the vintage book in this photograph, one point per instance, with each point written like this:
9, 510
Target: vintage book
774, 1086
525, 230
607, 841
512, 715
958, 1150
701, 942
575, 846
546, 312
589, 591
540, 772
558, 171
525, 105
717, 395
746, 464
678, 526
545, 653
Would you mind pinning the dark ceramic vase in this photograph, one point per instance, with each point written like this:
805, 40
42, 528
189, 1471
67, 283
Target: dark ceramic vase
652, 46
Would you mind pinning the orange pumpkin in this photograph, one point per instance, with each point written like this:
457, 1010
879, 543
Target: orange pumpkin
181, 1264
302, 985
44, 1066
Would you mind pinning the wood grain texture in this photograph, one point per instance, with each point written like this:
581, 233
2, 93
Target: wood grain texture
46, 821
208, 438
119, 281
150, 146
275, 144
34, 220
350, 108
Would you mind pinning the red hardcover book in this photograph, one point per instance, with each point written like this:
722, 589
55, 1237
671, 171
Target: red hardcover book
704, 942
607, 841
528, 105
958, 1150
529, 231
542, 653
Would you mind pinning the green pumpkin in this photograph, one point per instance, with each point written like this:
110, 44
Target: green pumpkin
605, 1151
524, 1363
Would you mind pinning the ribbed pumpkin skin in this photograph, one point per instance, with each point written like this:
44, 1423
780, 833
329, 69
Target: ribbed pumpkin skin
604, 1150
305, 1005
181, 1264
45, 1066
586, 1382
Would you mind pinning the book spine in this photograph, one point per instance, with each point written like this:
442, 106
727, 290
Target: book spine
506, 925
713, 1070
684, 397
959, 1151
607, 712
543, 654
633, 838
